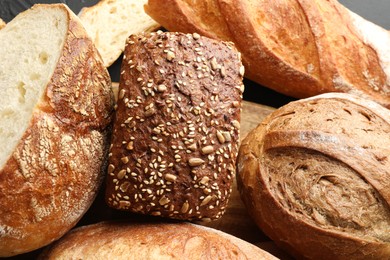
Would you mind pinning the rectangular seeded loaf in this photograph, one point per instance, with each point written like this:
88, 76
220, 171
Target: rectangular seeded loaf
176, 130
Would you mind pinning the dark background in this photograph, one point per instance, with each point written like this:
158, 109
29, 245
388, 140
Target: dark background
376, 11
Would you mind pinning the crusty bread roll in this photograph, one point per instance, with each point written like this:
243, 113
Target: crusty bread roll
176, 131
110, 22
123, 240
56, 106
315, 176
300, 48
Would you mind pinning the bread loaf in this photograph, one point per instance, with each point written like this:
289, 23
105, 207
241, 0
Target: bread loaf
110, 22
55, 109
315, 176
121, 240
176, 131
300, 48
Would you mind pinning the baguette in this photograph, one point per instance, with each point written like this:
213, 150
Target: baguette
55, 108
176, 131
110, 22
122, 240
300, 48
315, 177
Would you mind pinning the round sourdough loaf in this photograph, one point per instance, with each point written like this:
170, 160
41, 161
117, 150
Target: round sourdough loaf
123, 240
315, 176
55, 109
176, 128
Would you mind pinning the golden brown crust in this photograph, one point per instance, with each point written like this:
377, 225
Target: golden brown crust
176, 130
299, 47
315, 177
121, 240
54, 173
2, 24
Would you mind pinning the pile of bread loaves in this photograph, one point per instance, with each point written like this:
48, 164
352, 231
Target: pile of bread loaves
314, 175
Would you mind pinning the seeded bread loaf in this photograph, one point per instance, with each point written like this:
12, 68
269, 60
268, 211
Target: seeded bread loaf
55, 109
110, 22
300, 48
315, 176
121, 240
176, 131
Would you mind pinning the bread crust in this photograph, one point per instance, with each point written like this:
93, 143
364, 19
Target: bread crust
176, 131
123, 240
314, 176
2, 24
300, 48
53, 175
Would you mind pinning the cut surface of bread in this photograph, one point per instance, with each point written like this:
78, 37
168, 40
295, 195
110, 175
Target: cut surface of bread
29, 58
315, 177
110, 22
55, 112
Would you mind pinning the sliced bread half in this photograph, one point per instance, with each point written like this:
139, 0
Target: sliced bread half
55, 110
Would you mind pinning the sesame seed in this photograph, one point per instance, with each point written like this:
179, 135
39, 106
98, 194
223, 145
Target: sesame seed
196, 36
242, 71
223, 72
161, 88
214, 64
227, 136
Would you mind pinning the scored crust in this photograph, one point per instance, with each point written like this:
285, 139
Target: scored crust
315, 177
52, 176
176, 131
122, 240
300, 48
